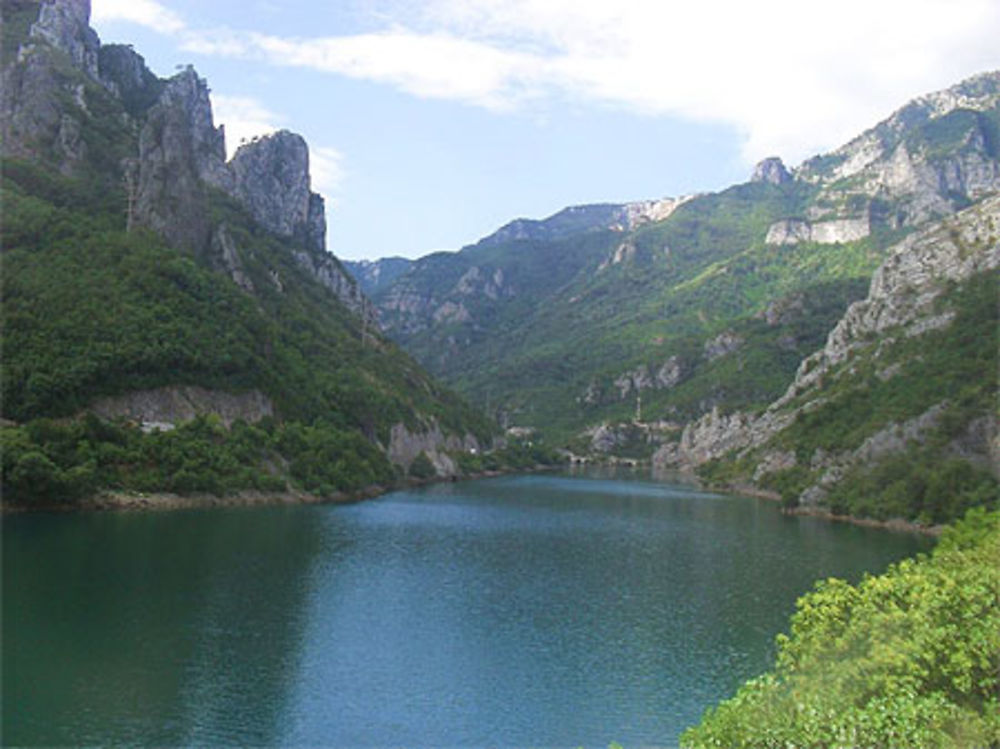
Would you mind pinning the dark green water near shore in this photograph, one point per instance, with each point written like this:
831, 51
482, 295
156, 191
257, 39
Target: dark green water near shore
530, 610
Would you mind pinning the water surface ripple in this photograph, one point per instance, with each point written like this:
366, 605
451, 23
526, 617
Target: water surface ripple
527, 610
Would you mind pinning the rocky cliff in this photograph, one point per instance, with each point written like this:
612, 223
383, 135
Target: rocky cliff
271, 178
180, 154
909, 297
771, 170
169, 151
928, 159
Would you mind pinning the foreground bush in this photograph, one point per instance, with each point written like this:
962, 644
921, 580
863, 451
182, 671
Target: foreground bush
910, 658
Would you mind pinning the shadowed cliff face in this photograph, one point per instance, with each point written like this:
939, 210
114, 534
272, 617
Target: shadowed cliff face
180, 152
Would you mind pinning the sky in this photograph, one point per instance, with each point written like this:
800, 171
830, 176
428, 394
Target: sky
431, 123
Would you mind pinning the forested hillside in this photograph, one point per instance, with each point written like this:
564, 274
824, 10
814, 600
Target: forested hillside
726, 332
177, 300
706, 302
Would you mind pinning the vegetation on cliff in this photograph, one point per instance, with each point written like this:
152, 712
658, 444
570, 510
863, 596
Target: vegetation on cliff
101, 297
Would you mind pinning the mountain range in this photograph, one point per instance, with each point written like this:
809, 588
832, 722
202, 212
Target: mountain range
667, 328
173, 321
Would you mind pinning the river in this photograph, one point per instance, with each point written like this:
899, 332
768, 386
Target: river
543, 610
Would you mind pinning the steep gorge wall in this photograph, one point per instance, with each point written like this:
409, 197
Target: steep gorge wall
902, 301
178, 154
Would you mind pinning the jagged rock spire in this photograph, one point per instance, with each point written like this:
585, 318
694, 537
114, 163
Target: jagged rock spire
65, 24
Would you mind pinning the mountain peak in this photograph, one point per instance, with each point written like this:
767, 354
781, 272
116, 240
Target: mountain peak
65, 24
272, 180
771, 170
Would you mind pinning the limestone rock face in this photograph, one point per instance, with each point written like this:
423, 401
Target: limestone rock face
722, 345
325, 268
40, 109
226, 257
710, 437
272, 180
793, 231
914, 162
166, 407
771, 170
180, 150
641, 378
29, 115
633, 215
405, 446
904, 288
123, 72
65, 24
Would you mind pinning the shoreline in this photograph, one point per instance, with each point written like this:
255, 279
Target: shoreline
896, 525
126, 501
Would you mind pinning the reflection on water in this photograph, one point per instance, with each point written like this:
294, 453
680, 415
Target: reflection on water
538, 610
151, 628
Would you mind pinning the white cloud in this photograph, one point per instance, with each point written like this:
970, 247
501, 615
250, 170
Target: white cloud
143, 12
793, 77
326, 167
244, 118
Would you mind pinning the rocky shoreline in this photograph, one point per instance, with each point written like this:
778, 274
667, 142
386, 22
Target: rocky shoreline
897, 525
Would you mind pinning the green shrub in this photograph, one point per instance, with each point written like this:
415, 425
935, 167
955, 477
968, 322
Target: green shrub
910, 658
422, 467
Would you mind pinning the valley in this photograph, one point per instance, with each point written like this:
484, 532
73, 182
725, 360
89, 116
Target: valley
176, 335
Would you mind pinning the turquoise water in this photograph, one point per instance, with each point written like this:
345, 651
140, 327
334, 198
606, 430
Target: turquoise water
531, 610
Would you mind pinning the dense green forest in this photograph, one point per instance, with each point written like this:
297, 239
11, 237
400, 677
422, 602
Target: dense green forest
90, 310
910, 658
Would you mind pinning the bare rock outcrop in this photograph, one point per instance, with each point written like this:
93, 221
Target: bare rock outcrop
124, 73
642, 378
904, 288
772, 171
834, 231
41, 110
180, 151
166, 407
723, 344
406, 445
271, 178
326, 269
899, 163
65, 25
715, 435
